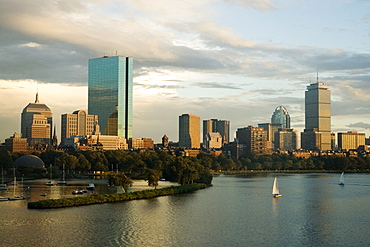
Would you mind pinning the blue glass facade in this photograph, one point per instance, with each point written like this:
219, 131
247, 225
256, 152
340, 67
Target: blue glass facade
110, 85
281, 116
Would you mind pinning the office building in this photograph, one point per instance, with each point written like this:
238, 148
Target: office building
271, 129
213, 141
286, 139
36, 124
350, 140
189, 131
281, 116
217, 126
252, 140
96, 142
110, 93
141, 143
16, 143
78, 123
317, 132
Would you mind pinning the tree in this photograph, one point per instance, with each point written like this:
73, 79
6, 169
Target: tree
153, 177
5, 159
120, 180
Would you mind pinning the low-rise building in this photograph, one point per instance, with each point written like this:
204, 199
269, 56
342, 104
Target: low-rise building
16, 143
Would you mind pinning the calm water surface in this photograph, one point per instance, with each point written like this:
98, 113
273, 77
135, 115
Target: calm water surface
235, 211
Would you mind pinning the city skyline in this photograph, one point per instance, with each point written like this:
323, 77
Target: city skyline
236, 60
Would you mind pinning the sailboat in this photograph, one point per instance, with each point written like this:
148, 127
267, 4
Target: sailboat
50, 183
275, 189
63, 182
2, 185
15, 197
341, 179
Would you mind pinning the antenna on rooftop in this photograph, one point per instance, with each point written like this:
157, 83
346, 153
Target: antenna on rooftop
37, 93
317, 75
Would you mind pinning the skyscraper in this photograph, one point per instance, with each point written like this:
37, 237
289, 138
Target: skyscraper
36, 123
111, 88
281, 116
317, 132
189, 131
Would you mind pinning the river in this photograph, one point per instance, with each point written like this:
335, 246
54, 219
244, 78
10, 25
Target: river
238, 210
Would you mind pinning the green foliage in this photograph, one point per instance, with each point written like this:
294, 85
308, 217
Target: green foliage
5, 159
99, 199
120, 179
153, 177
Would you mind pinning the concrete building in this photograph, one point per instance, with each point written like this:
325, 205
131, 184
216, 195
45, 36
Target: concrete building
189, 131
317, 132
141, 143
281, 116
272, 129
213, 141
79, 123
96, 142
252, 140
36, 124
286, 139
16, 143
110, 91
350, 140
215, 125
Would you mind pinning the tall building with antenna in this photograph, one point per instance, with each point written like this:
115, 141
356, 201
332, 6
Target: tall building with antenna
36, 123
317, 132
110, 92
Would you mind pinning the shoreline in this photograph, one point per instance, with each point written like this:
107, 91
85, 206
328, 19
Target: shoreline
287, 171
107, 198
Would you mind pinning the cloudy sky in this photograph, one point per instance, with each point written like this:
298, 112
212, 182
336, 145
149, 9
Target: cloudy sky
235, 60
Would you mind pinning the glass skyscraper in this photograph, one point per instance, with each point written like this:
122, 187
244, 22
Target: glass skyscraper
281, 116
110, 88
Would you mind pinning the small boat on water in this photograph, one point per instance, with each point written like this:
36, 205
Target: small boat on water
3, 187
50, 183
77, 192
17, 198
275, 189
2, 199
341, 179
90, 187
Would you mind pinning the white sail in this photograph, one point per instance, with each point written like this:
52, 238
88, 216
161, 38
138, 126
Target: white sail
341, 179
275, 188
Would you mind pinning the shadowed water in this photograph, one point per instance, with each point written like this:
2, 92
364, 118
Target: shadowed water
235, 211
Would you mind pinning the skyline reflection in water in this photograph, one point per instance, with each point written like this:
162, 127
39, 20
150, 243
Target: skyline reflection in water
235, 211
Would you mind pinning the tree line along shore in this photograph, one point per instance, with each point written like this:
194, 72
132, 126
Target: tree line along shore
109, 198
141, 164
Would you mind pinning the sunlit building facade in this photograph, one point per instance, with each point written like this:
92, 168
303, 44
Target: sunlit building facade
110, 88
78, 123
317, 132
219, 126
350, 140
189, 131
36, 123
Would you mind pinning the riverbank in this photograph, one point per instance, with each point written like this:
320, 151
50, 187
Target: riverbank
106, 198
286, 171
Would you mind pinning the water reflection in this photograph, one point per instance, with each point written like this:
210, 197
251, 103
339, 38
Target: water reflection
235, 211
